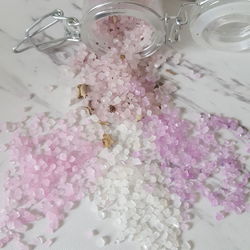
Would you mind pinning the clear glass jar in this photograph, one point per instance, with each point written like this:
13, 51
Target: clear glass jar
146, 10
221, 24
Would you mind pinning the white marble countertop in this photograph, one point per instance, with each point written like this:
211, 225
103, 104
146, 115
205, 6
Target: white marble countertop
26, 78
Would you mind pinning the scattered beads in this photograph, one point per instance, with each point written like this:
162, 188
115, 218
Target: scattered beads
150, 178
55, 164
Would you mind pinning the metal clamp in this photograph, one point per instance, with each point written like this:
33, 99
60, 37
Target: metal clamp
174, 24
71, 27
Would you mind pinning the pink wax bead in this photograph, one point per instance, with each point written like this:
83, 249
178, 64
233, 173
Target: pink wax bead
220, 216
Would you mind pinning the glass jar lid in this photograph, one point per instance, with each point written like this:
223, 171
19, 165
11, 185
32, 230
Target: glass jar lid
223, 25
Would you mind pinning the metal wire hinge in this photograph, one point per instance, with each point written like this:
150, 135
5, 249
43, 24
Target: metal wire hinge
174, 24
71, 28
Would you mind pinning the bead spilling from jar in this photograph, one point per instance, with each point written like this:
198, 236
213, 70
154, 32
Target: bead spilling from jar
129, 34
125, 146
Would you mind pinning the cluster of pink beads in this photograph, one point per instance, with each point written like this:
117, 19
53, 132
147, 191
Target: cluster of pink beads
198, 163
54, 165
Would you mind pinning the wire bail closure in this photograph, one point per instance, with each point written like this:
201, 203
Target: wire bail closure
173, 26
71, 27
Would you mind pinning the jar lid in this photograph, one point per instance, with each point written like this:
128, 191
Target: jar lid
223, 26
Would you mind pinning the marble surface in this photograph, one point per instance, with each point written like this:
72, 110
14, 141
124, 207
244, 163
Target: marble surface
25, 83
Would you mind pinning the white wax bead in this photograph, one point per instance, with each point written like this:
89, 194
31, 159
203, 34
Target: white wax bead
173, 221
149, 112
152, 179
100, 242
94, 118
117, 100
156, 235
169, 244
136, 161
117, 149
126, 151
122, 128
102, 214
136, 196
117, 242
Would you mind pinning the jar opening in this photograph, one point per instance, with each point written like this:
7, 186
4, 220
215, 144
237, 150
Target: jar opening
100, 22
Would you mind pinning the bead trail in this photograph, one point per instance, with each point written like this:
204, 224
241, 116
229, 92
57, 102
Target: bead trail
125, 146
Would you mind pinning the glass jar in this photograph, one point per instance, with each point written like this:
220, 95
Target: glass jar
219, 24
149, 11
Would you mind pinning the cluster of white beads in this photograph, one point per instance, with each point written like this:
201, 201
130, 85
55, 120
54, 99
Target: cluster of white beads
136, 197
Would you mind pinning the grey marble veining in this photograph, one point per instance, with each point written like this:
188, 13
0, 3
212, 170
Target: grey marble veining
222, 87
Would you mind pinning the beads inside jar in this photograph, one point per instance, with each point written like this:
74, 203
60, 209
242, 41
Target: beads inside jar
105, 21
